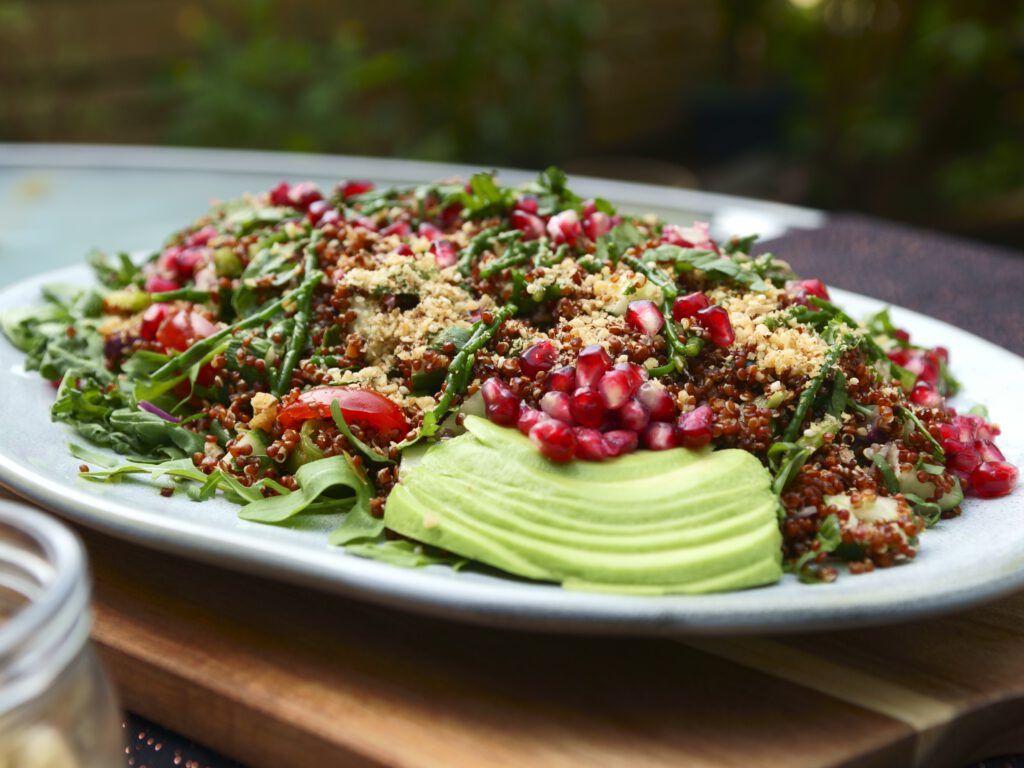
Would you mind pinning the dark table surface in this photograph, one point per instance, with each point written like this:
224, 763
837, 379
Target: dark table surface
975, 286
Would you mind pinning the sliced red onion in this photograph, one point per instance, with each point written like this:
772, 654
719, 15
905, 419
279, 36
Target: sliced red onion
148, 406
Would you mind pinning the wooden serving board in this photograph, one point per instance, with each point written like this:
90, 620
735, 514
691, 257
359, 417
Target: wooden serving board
277, 676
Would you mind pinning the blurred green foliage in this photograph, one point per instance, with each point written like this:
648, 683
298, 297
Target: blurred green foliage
914, 106
439, 91
911, 109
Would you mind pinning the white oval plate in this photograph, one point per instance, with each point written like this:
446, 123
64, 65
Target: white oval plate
962, 562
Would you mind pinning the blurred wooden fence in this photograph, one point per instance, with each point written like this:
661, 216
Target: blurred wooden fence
98, 70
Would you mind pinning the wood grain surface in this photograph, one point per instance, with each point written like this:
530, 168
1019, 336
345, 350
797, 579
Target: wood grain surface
276, 676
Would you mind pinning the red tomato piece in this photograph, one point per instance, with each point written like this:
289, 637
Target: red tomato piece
360, 406
182, 328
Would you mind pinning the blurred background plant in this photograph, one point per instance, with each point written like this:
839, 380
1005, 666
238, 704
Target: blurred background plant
911, 109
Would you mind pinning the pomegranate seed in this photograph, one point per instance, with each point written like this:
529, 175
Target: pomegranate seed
188, 260
620, 441
801, 290
331, 216
994, 478
593, 362
317, 210
279, 195
988, 451
899, 356
614, 389
943, 353
901, 334
634, 415
501, 404
565, 227
405, 250
157, 284
151, 319
596, 224
645, 316
445, 253
964, 461
949, 439
925, 395
365, 222
689, 305
715, 321
589, 207
670, 233
694, 427
657, 399
554, 439
587, 408
527, 418
450, 213
400, 228
659, 436
530, 225
590, 444
201, 236
637, 374
538, 357
696, 236
557, 405
428, 230
561, 379
527, 203
353, 188
303, 195
985, 431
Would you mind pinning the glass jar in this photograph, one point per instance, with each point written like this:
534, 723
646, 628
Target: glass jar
57, 709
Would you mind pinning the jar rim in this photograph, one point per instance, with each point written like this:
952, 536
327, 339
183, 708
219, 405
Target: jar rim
52, 616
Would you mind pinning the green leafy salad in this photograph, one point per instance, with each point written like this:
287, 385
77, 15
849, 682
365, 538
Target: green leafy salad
514, 379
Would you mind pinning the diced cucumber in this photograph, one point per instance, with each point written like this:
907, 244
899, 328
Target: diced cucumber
257, 438
909, 483
880, 509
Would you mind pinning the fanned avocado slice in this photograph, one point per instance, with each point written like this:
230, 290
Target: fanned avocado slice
653, 522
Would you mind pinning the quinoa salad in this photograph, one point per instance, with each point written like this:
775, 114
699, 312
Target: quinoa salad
360, 354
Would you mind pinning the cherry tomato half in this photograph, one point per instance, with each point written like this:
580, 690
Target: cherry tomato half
360, 406
182, 328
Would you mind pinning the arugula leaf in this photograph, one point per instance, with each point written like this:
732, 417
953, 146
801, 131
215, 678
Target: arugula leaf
553, 193
714, 266
611, 245
892, 483
485, 197
937, 452
120, 275
740, 245
929, 510
786, 459
315, 479
355, 442
404, 553
108, 416
829, 538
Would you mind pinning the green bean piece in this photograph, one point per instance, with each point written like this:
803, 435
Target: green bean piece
198, 351
476, 246
461, 367
300, 329
810, 392
182, 294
